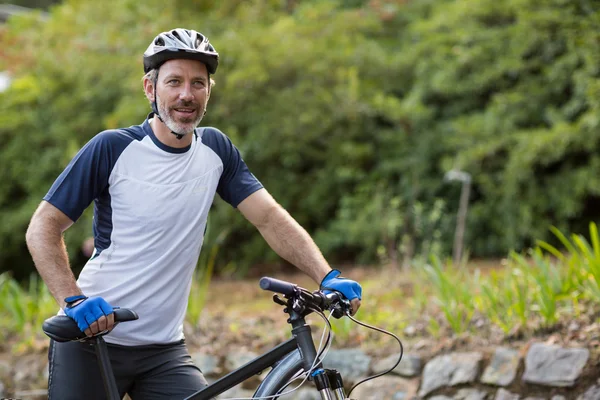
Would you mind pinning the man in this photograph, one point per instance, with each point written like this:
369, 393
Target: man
152, 187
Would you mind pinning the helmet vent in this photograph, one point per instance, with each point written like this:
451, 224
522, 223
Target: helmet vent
180, 43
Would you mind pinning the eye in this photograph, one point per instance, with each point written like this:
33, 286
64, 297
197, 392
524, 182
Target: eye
173, 82
199, 83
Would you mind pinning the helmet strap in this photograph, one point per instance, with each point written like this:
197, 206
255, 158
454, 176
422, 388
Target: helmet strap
179, 136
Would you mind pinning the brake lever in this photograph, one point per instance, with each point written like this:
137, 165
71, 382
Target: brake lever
279, 300
341, 308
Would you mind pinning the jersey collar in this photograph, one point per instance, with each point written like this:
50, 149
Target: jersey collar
148, 131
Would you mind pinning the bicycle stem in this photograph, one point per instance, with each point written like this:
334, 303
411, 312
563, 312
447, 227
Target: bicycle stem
302, 332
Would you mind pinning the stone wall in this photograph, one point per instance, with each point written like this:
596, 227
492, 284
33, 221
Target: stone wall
535, 372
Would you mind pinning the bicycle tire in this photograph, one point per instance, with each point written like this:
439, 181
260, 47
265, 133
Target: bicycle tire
280, 375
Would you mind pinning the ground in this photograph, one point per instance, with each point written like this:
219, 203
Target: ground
240, 316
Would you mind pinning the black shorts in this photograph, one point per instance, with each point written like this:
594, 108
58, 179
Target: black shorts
144, 372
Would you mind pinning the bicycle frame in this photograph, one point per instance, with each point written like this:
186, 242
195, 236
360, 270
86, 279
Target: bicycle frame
246, 371
301, 340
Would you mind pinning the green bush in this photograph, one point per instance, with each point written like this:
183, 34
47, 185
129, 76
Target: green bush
349, 113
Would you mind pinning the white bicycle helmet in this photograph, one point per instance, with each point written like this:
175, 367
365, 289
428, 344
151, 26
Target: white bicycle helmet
180, 43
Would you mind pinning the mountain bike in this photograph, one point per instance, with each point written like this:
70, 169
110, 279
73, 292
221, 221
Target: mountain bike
295, 359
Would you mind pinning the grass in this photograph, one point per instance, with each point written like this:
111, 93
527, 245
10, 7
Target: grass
529, 291
23, 309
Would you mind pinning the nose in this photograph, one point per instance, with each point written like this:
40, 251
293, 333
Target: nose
186, 93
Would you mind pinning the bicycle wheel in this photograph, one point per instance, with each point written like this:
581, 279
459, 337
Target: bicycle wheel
279, 376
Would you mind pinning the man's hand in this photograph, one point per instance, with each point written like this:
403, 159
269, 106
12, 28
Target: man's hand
349, 288
93, 315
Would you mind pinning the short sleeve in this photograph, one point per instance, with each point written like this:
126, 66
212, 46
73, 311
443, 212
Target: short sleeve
86, 176
236, 182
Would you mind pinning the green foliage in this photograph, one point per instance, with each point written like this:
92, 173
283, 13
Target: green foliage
24, 309
532, 291
503, 300
349, 113
453, 294
582, 260
203, 276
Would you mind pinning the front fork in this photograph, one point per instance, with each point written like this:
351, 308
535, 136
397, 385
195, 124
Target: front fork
328, 381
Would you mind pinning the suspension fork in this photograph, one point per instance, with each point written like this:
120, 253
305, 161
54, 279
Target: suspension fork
336, 383
329, 384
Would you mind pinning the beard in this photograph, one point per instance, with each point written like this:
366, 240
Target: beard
181, 125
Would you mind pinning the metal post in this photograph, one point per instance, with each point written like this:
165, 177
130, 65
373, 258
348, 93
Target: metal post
459, 233
110, 385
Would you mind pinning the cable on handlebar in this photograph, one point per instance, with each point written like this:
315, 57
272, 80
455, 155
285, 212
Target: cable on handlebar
382, 331
338, 307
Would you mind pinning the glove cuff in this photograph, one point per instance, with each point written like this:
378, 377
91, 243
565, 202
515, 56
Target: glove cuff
334, 273
74, 299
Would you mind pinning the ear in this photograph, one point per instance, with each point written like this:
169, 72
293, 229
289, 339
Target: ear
149, 89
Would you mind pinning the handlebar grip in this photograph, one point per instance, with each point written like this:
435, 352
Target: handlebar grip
278, 286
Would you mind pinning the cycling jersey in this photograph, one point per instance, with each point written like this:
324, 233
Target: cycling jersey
151, 203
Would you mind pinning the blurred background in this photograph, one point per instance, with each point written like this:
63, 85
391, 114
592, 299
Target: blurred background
392, 130
351, 113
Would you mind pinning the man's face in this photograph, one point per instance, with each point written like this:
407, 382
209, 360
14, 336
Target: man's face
182, 91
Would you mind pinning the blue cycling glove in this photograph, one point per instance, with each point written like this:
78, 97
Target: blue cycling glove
88, 311
349, 288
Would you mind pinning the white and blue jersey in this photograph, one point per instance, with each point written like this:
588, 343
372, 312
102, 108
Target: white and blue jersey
151, 203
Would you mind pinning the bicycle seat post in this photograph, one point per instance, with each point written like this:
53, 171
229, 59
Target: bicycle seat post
110, 386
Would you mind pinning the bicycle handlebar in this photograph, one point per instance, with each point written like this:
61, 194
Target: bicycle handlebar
334, 301
278, 286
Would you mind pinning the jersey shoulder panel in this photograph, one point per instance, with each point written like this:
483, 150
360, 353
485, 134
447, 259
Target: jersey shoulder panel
86, 176
236, 182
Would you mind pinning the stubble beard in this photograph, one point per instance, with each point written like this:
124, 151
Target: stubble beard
184, 125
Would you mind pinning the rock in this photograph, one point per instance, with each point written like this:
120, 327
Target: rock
304, 394
32, 394
470, 394
410, 330
353, 364
593, 393
209, 365
450, 369
553, 365
236, 392
574, 326
440, 397
502, 394
5, 376
502, 369
386, 387
46, 372
409, 366
5, 370
28, 373
235, 360
558, 397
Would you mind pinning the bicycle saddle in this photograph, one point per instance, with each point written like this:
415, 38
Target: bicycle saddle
64, 329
